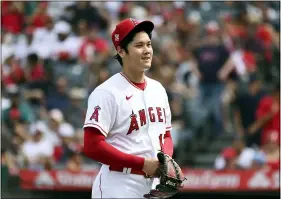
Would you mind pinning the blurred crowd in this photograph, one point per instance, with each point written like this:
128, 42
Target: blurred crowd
219, 62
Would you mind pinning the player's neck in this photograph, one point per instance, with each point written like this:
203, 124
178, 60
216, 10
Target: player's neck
133, 76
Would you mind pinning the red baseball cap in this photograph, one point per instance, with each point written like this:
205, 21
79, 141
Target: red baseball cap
229, 153
126, 26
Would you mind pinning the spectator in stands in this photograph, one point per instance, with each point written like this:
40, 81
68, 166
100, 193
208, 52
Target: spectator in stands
253, 21
259, 160
35, 73
19, 111
59, 98
240, 64
45, 36
7, 45
56, 9
226, 160
268, 115
94, 49
66, 133
210, 58
83, 10
12, 72
76, 97
75, 162
11, 139
8, 161
235, 157
37, 151
21, 131
50, 126
68, 136
25, 45
82, 28
66, 46
246, 104
36, 100
271, 148
186, 76
37, 85
268, 37
246, 158
39, 16
182, 26
12, 16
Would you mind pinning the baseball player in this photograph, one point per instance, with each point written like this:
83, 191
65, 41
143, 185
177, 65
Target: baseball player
128, 119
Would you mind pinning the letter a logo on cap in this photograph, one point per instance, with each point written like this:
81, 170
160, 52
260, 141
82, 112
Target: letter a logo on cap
116, 37
134, 21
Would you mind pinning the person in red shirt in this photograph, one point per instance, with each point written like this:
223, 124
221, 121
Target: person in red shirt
40, 17
271, 150
37, 79
12, 17
93, 48
265, 34
12, 73
230, 156
34, 71
268, 115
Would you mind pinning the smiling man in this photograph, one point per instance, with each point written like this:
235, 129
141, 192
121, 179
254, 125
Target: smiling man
128, 119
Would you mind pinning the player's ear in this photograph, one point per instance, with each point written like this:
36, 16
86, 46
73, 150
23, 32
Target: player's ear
121, 52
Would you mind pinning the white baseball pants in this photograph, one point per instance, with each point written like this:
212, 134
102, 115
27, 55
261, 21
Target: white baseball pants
113, 184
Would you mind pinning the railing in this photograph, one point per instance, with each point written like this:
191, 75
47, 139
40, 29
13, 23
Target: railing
65, 184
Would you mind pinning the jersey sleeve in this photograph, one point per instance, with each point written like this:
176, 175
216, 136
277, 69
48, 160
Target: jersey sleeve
168, 114
101, 111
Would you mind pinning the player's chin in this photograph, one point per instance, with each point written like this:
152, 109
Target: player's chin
146, 66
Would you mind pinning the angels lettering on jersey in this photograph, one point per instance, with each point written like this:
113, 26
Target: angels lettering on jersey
155, 114
160, 112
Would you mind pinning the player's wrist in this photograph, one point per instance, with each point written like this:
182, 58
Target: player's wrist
140, 161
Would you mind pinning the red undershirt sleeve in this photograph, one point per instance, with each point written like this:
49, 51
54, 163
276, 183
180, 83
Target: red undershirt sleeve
168, 147
96, 148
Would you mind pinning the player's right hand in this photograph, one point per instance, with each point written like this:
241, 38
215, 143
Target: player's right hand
150, 166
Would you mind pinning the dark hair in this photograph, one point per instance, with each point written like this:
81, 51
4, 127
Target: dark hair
33, 58
128, 39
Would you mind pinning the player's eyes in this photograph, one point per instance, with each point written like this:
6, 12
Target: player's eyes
141, 45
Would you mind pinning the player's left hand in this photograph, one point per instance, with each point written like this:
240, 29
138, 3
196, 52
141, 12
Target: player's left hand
171, 178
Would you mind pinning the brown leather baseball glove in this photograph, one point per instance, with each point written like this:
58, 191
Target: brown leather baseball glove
171, 178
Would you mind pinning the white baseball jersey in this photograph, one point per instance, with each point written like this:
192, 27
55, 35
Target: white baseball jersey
133, 120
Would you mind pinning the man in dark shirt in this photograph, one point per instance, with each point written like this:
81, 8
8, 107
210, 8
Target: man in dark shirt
58, 97
210, 57
245, 109
83, 10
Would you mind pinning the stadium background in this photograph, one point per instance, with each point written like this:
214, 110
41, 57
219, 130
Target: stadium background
55, 53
